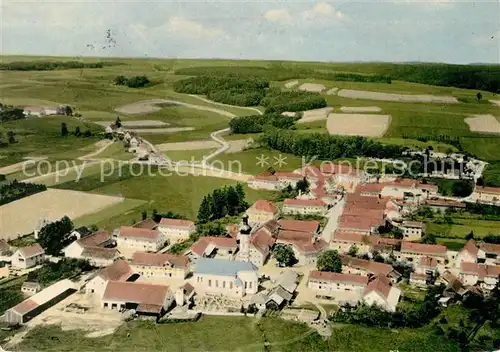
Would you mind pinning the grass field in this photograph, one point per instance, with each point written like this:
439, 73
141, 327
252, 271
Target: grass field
481, 228
189, 155
236, 334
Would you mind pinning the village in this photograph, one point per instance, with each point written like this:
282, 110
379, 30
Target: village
348, 240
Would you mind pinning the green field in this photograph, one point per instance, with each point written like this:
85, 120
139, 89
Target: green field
236, 334
189, 155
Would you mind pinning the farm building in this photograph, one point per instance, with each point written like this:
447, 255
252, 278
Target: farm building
36, 304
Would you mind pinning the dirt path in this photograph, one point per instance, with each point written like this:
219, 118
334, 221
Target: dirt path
230, 106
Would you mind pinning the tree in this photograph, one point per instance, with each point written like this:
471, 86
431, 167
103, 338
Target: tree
284, 255
205, 210
11, 135
353, 250
144, 215
470, 236
429, 239
397, 233
120, 80
118, 122
64, 129
302, 186
212, 228
479, 96
233, 201
54, 236
329, 261
68, 111
77, 131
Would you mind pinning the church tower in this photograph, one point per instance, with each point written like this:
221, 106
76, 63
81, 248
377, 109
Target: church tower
244, 239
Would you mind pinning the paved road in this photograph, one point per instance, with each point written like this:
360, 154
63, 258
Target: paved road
333, 220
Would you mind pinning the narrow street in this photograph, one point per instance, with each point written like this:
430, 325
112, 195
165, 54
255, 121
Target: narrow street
333, 220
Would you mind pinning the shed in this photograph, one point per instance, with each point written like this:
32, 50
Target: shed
30, 288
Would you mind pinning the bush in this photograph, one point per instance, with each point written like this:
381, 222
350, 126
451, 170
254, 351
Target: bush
132, 82
17, 190
277, 101
257, 123
63, 269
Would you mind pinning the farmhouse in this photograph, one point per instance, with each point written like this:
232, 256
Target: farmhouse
341, 287
92, 247
490, 253
382, 292
36, 304
209, 246
176, 229
487, 195
160, 265
28, 257
140, 239
356, 266
468, 254
306, 246
441, 205
261, 243
268, 182
100, 256
231, 278
118, 271
30, 288
343, 241
412, 252
261, 211
412, 230
304, 206
308, 226
484, 275
80, 232
146, 299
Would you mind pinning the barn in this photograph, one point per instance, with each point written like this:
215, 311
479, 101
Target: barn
36, 304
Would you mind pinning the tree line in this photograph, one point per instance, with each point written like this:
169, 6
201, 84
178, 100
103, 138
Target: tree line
77, 133
277, 101
65, 268
327, 147
257, 123
132, 82
227, 201
50, 65
16, 190
10, 113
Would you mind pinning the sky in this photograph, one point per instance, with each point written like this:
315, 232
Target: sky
454, 31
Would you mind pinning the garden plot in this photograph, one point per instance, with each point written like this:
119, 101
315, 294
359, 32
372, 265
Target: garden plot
420, 98
483, 124
291, 84
315, 115
137, 123
365, 125
194, 145
312, 87
21, 216
160, 130
360, 109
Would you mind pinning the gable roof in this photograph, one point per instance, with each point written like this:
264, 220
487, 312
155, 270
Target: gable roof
428, 262
351, 237
262, 241
471, 248
489, 190
222, 267
370, 266
100, 252
421, 248
153, 296
201, 245
148, 224
413, 224
95, 239
304, 202
481, 270
354, 222
167, 222
32, 250
272, 226
380, 284
490, 247
118, 271
265, 205
358, 280
309, 226
159, 259
138, 233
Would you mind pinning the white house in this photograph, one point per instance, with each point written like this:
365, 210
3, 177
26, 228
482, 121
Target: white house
160, 265
486, 276
140, 239
412, 252
334, 285
176, 230
489, 253
305, 206
211, 246
488, 195
262, 211
118, 271
222, 277
468, 254
412, 230
28, 257
93, 248
267, 182
382, 292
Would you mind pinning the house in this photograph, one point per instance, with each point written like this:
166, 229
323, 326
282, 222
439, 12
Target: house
343, 241
118, 271
370, 189
160, 265
148, 224
356, 266
400, 188
208, 246
412, 230
80, 232
184, 294
267, 182
261, 243
487, 195
489, 253
412, 252
28, 257
222, 277
145, 299
308, 226
140, 239
30, 288
306, 246
341, 287
382, 292
176, 230
468, 254
359, 224
486, 276
93, 248
343, 173
419, 279
304, 207
262, 211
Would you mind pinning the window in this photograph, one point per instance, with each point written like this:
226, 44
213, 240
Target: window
216, 283
209, 283
223, 284
250, 285
231, 285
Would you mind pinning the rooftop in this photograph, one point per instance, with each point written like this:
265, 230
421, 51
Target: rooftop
148, 224
420, 248
201, 245
265, 205
31, 251
222, 267
330, 276
118, 271
309, 226
137, 292
95, 239
159, 259
138, 233
100, 252
176, 223
304, 202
